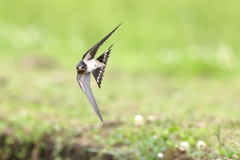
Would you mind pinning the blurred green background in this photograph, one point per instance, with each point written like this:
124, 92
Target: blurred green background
177, 60
198, 38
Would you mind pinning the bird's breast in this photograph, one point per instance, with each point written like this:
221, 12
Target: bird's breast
91, 65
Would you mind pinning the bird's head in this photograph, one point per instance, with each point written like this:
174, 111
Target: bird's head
81, 67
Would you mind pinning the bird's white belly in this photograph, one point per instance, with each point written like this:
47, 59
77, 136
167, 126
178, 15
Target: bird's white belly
91, 65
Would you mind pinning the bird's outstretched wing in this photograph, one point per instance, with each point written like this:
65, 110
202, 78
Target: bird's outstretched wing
98, 73
91, 52
84, 83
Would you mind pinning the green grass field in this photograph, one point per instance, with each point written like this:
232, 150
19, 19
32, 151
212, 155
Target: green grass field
174, 63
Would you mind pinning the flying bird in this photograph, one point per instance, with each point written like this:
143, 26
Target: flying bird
95, 66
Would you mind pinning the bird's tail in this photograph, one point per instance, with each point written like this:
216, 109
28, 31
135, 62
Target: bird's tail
98, 73
104, 57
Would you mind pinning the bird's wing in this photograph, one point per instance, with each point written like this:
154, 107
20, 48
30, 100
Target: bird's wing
98, 73
84, 83
91, 52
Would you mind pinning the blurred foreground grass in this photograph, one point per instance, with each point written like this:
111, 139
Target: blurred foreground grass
37, 101
178, 63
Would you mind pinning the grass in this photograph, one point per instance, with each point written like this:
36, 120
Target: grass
187, 109
176, 63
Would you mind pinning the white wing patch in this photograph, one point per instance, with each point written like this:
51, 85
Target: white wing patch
99, 75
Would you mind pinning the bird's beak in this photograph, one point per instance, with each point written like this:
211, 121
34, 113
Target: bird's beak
81, 69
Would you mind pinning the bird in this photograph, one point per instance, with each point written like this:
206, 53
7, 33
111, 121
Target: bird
95, 66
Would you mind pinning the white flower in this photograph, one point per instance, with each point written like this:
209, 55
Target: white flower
201, 145
152, 118
160, 155
154, 136
184, 146
138, 120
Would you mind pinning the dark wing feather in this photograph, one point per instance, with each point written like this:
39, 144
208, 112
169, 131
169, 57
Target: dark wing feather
84, 83
91, 52
98, 73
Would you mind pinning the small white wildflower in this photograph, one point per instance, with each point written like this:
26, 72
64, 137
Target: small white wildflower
154, 136
152, 118
184, 146
201, 145
138, 120
160, 155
